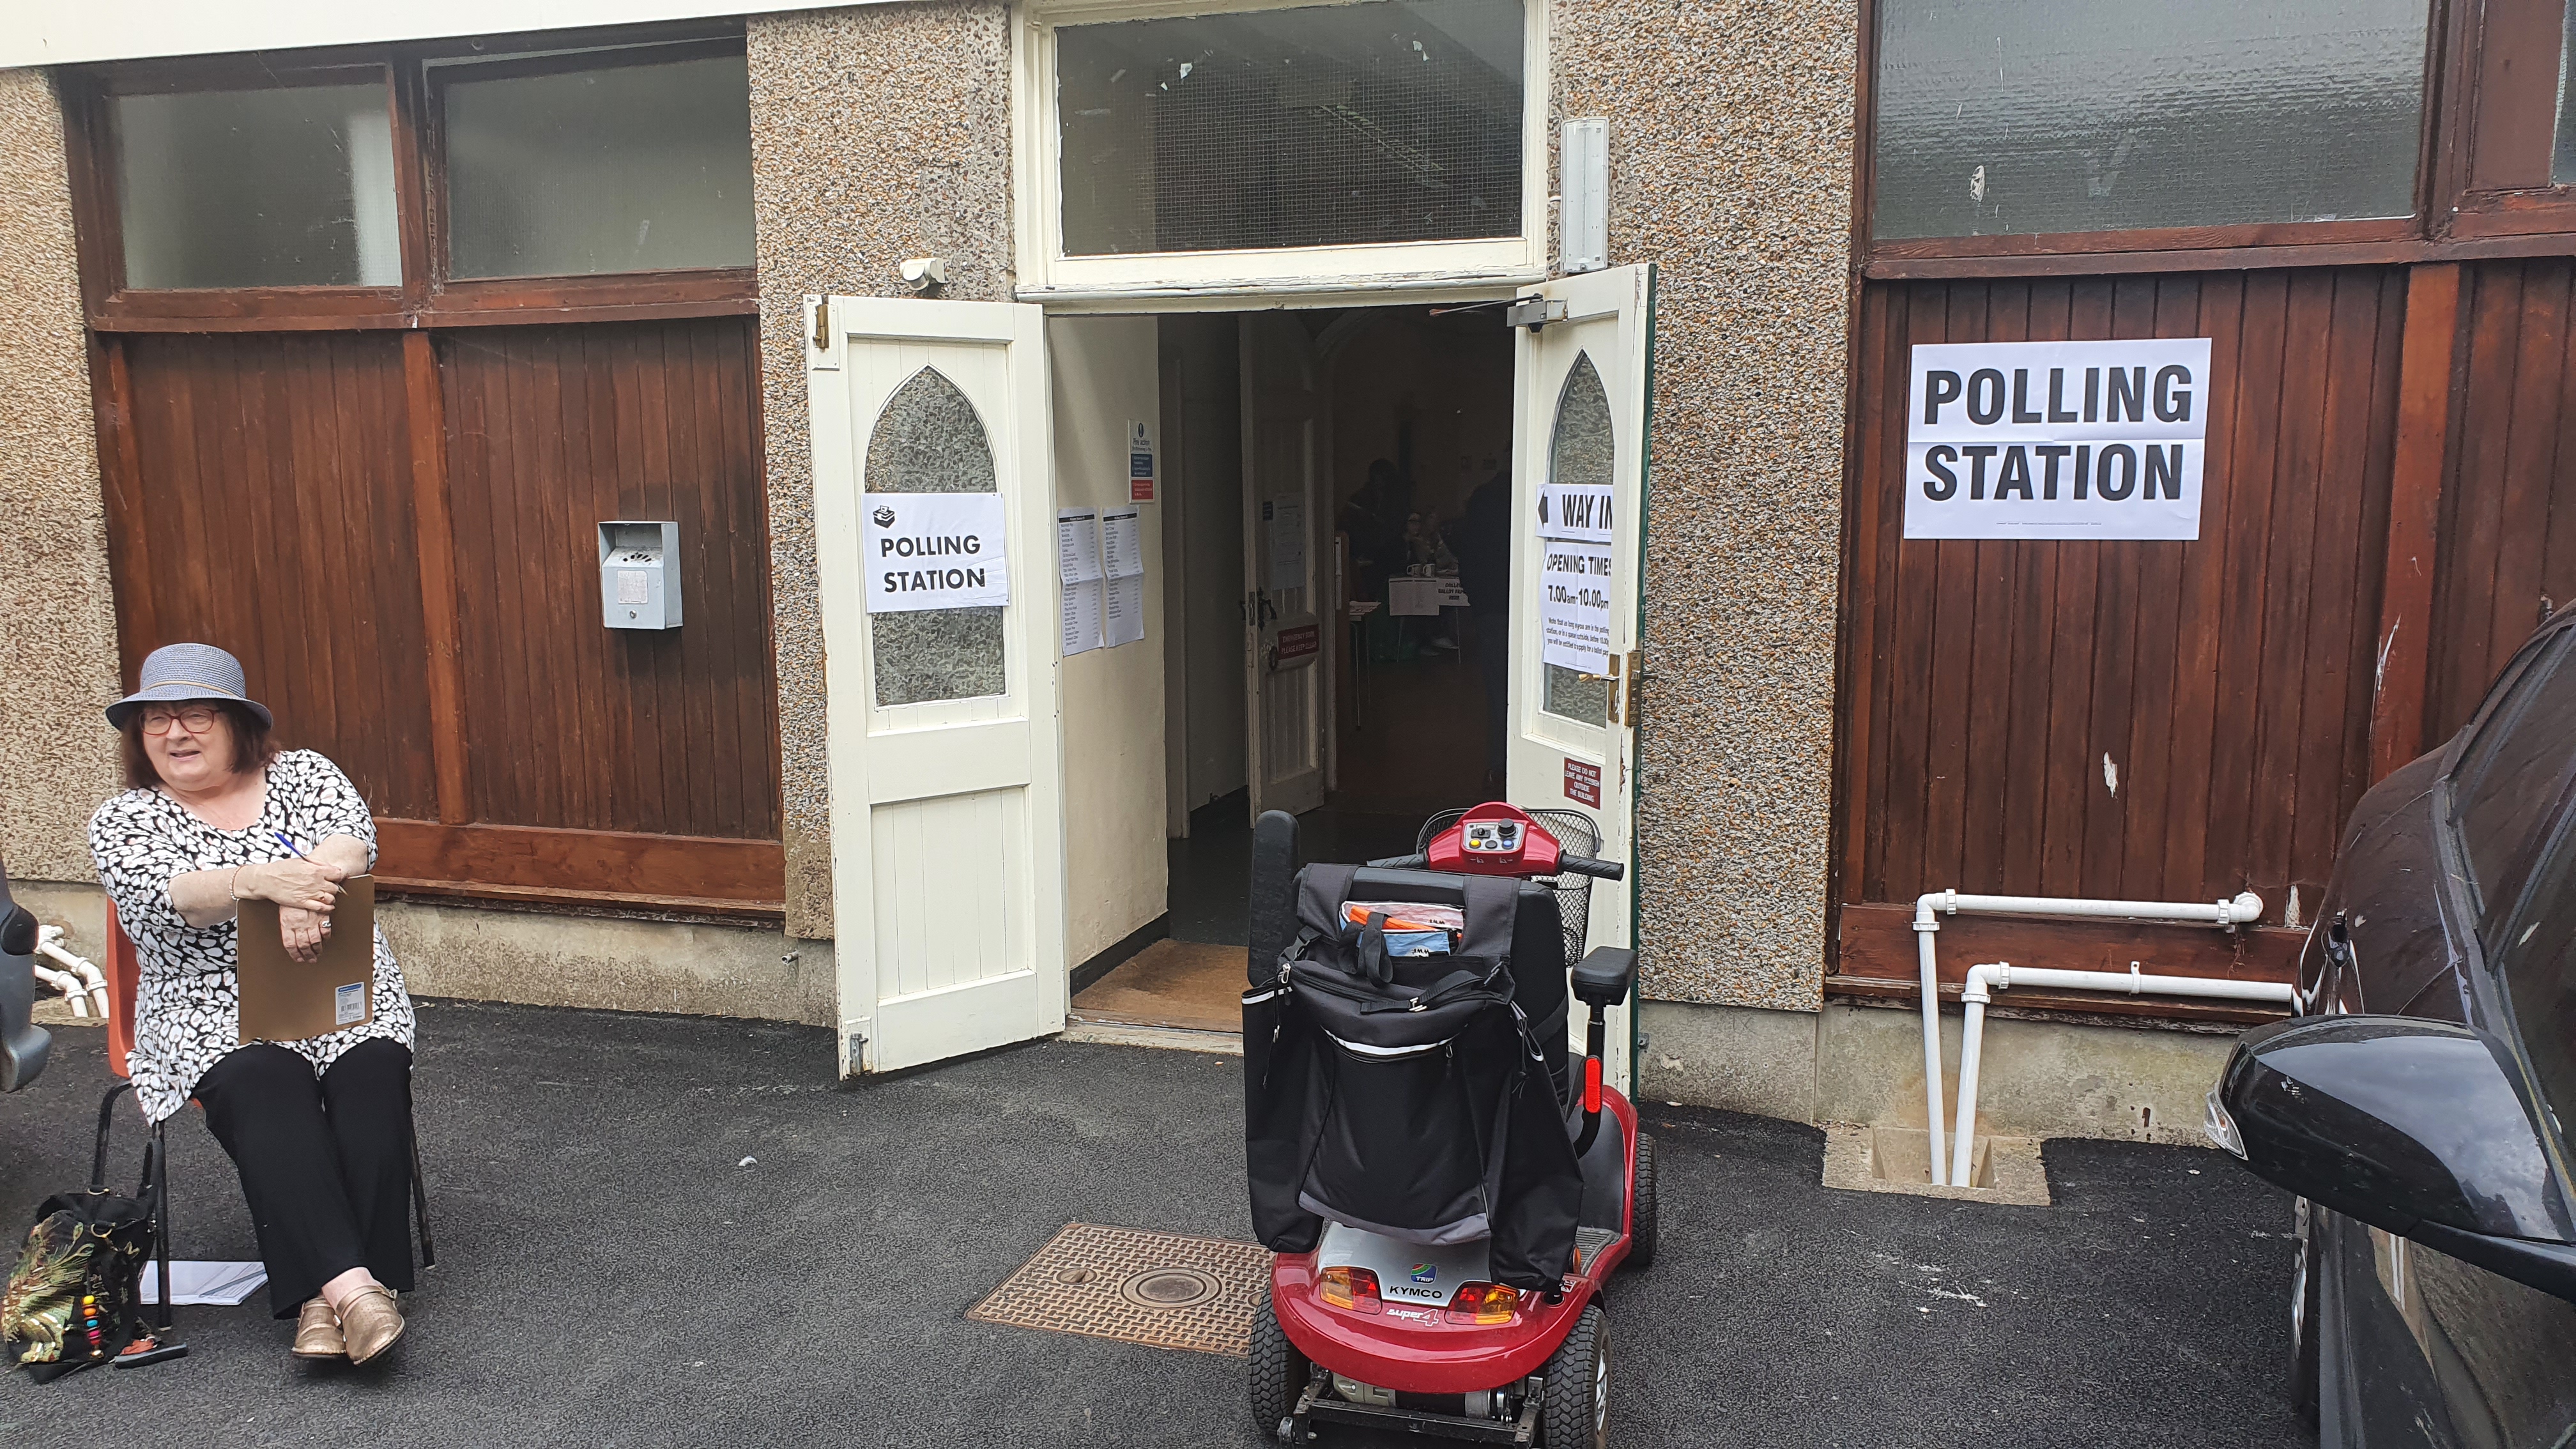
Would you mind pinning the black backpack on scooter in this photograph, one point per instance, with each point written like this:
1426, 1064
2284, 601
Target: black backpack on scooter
1411, 1096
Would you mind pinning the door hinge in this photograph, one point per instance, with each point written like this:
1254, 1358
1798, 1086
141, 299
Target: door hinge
1535, 312
822, 324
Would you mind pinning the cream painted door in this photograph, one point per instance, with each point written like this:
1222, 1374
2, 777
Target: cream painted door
945, 763
1287, 674
1583, 393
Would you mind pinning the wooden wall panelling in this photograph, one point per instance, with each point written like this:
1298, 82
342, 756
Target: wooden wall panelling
274, 508
572, 725
1878, 959
2178, 830
2508, 508
724, 876
2426, 400
2226, 680
120, 477
425, 416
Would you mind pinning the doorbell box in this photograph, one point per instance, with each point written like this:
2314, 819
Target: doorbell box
639, 574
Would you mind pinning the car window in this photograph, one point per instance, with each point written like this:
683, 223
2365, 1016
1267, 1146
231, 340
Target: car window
2514, 773
2537, 955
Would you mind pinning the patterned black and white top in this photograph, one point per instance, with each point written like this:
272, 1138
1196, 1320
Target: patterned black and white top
187, 1005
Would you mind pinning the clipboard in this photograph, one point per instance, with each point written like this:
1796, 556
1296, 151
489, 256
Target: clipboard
283, 999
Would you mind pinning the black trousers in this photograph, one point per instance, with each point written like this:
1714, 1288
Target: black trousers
325, 1161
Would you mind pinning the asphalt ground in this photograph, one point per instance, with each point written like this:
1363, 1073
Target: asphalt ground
611, 1273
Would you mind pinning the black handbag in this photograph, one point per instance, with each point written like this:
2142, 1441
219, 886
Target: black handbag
75, 1294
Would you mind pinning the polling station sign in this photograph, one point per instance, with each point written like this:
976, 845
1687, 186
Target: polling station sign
2057, 440
934, 551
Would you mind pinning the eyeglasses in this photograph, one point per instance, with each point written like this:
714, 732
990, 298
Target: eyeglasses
196, 719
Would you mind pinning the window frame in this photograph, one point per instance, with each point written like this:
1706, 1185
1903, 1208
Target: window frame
2158, 248
425, 296
2500, 115
1048, 275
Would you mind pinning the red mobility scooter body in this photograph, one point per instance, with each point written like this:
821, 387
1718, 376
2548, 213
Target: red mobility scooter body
1413, 1348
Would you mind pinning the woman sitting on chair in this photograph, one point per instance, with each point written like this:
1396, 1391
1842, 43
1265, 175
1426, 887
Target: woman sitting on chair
320, 1128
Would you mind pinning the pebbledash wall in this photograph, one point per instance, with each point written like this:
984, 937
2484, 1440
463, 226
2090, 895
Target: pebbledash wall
884, 131
57, 614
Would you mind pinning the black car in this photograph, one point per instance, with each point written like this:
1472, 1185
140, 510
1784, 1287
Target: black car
22, 1044
2420, 1104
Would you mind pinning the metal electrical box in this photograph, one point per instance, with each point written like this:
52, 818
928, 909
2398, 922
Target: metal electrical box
639, 574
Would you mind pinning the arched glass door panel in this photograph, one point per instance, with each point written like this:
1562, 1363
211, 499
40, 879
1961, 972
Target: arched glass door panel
929, 440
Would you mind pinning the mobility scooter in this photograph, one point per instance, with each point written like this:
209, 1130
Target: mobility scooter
1429, 1167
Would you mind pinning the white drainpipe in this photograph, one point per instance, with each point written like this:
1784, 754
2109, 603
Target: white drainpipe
2001, 976
2247, 907
85, 977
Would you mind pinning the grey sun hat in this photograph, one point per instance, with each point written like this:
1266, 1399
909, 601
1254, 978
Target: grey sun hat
176, 672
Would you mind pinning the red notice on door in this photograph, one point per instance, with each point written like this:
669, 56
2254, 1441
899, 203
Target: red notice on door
1583, 783
1296, 643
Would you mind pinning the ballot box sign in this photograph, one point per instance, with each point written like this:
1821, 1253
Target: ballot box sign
2057, 440
934, 551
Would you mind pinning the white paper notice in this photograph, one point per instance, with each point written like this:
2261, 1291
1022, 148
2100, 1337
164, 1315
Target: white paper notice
1122, 557
2082, 440
1084, 603
934, 551
1122, 619
1077, 562
1286, 520
1574, 605
1122, 544
1574, 510
1077, 545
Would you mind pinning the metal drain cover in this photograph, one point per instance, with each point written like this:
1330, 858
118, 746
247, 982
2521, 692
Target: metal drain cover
1160, 1289
1169, 1288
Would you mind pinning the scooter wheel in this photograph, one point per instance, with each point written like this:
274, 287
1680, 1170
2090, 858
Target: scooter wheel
1641, 1214
1575, 1411
1278, 1372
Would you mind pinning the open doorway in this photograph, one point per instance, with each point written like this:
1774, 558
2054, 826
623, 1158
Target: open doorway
1336, 525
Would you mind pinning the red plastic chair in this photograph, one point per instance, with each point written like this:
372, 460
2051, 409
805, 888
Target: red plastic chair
124, 974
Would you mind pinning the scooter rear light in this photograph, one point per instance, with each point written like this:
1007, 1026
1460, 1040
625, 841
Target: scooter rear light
1484, 1303
1591, 1084
1351, 1288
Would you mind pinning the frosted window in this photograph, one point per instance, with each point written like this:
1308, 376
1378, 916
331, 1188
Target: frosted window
1394, 121
628, 169
2014, 116
1579, 451
928, 440
2562, 156
291, 187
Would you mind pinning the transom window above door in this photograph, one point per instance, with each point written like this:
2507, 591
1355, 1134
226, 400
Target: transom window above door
1197, 147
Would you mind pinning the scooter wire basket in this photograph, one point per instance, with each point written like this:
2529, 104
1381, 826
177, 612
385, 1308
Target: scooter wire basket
1575, 835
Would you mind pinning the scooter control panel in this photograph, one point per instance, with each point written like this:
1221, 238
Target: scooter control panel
1493, 837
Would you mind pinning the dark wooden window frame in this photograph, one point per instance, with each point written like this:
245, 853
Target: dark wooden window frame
426, 296
2489, 115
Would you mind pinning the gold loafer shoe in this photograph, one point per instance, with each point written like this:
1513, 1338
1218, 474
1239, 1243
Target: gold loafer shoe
317, 1331
369, 1322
